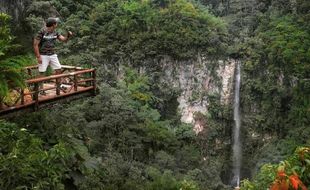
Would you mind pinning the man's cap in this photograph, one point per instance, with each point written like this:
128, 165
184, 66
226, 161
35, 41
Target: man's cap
52, 20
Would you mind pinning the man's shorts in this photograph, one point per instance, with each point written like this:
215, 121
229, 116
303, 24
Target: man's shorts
51, 60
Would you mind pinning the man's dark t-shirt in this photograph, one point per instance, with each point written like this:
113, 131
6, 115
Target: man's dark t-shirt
47, 41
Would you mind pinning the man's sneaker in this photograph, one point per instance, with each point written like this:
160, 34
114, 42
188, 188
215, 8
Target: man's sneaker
63, 88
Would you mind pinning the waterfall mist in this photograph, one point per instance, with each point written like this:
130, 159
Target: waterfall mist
237, 154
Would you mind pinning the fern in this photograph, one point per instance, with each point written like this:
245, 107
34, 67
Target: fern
10, 67
11, 73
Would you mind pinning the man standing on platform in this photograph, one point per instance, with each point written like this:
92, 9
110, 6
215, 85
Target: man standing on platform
44, 46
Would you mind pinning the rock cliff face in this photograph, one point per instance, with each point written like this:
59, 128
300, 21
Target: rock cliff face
197, 80
14, 8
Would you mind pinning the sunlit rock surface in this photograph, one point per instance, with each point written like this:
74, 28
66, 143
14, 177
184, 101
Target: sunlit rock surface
197, 80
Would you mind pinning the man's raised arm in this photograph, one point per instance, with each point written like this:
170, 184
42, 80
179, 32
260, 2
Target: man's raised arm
65, 39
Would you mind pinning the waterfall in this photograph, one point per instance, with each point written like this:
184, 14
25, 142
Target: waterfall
236, 130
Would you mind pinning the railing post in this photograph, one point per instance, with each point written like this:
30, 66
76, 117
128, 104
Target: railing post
75, 79
58, 86
29, 72
22, 94
94, 81
36, 96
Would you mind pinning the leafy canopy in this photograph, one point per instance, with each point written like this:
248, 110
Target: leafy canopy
146, 29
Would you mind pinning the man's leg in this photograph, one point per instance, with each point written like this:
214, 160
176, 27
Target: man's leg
41, 85
57, 68
42, 69
59, 81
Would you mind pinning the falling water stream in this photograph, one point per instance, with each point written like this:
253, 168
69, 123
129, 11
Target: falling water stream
236, 131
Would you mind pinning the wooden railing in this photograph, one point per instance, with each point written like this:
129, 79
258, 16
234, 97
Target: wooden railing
31, 71
73, 80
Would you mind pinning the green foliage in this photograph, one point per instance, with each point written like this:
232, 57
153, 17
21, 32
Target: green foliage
185, 133
275, 152
262, 180
275, 89
25, 164
128, 26
10, 66
138, 86
5, 35
188, 185
159, 180
298, 164
125, 129
137, 30
287, 44
115, 137
276, 68
166, 181
10, 74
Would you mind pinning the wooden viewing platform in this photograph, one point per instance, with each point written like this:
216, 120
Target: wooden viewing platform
72, 80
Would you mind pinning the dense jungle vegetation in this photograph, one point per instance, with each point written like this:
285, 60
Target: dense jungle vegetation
129, 136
